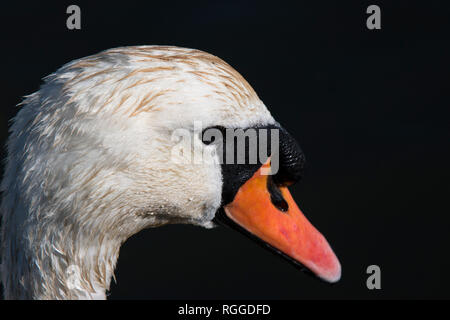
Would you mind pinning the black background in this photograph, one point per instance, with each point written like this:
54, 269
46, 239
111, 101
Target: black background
369, 108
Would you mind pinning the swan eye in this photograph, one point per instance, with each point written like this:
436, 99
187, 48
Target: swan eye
212, 135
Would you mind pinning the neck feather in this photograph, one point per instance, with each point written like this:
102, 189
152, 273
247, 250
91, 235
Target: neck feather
56, 261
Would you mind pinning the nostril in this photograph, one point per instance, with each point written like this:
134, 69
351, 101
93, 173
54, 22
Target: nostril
275, 196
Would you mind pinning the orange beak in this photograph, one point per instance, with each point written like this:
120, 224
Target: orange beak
269, 213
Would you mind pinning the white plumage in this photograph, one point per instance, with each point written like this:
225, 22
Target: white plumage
88, 163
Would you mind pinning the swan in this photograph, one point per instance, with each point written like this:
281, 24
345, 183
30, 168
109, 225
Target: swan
90, 163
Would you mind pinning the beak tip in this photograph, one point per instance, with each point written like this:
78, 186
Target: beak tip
332, 276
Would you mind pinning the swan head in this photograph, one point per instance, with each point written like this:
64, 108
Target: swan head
115, 142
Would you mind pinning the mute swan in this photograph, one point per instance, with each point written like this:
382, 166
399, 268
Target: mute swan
89, 165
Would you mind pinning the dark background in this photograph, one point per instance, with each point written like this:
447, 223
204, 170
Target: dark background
369, 108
